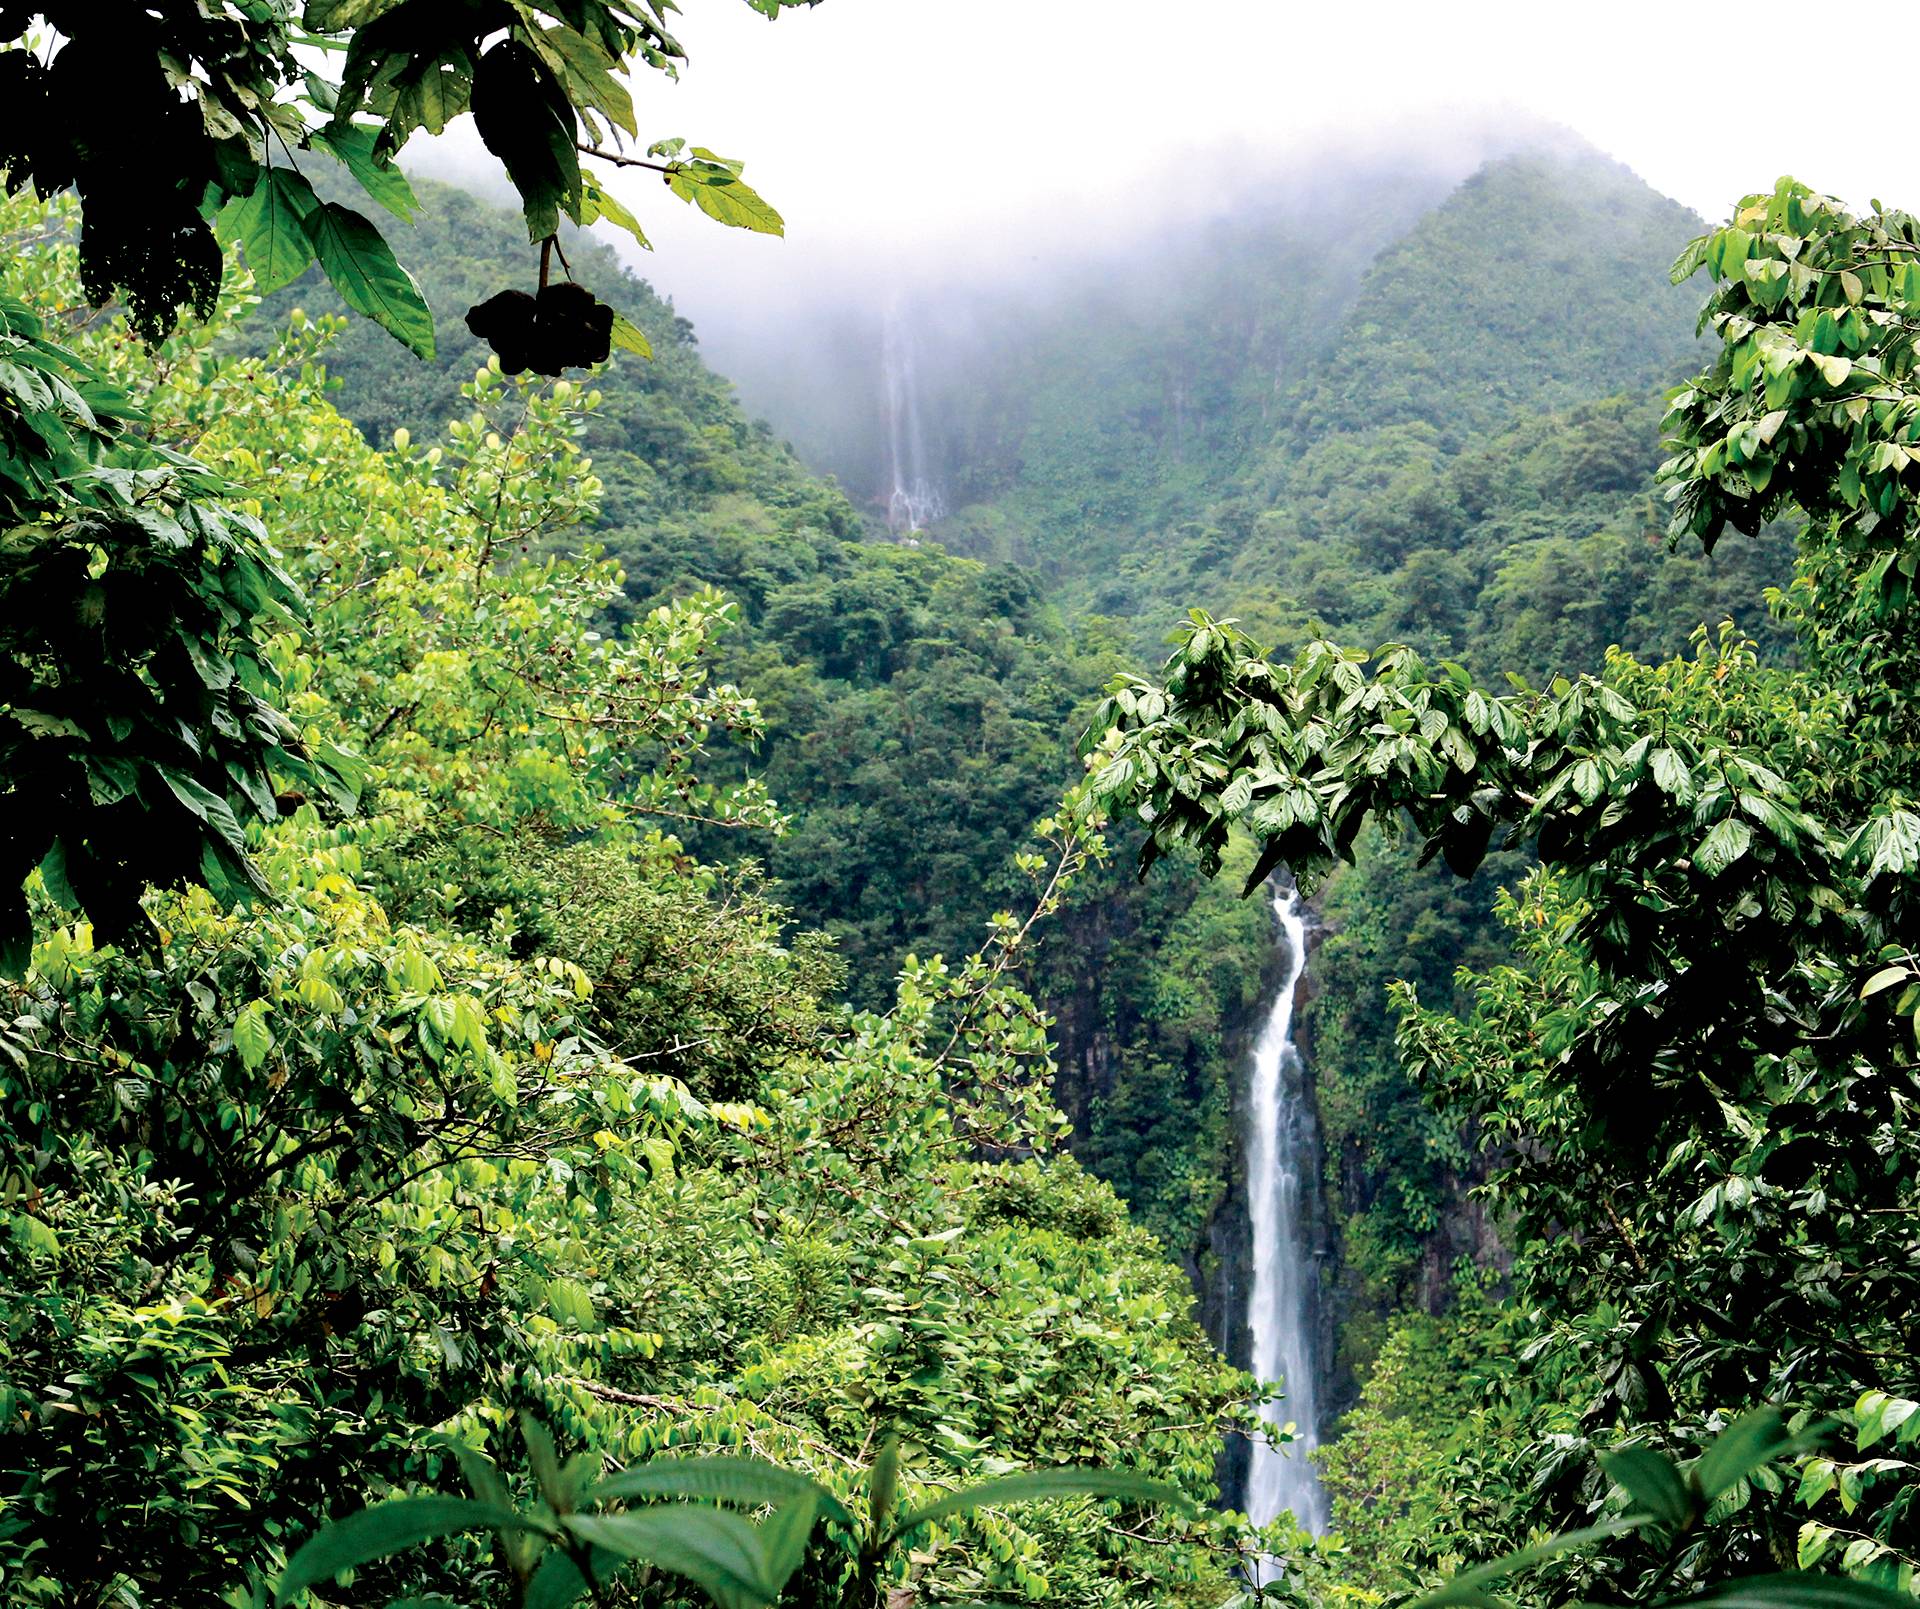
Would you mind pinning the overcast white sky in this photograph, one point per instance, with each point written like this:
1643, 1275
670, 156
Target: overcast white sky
926, 121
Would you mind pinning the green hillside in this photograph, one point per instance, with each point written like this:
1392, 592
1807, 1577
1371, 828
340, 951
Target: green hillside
1373, 416
1457, 453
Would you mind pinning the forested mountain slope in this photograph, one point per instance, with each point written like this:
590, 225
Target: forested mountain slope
919, 708
1393, 428
1392, 416
901, 685
1412, 427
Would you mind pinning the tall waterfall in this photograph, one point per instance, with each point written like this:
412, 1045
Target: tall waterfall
913, 497
1281, 1306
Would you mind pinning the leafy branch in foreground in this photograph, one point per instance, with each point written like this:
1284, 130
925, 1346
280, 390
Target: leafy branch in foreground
1676, 1502
139, 732
181, 125
567, 1548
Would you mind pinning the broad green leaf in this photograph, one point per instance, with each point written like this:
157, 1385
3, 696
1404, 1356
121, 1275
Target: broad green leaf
718, 1551
270, 226
1687, 264
367, 276
544, 1460
570, 1300
721, 194
431, 100
596, 204
387, 1528
336, 16
16, 934
1652, 1482
1041, 1484
1466, 1589
589, 73
1726, 843
1797, 1589
353, 144
629, 337
558, 1583
1834, 370
483, 1475
487, 1484
783, 1539
252, 1038
1885, 978
724, 1480
1752, 1440
883, 1486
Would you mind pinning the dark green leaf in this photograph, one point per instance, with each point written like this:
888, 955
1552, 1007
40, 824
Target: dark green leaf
558, 1583
353, 144
718, 1551
1797, 1589
1041, 1484
542, 1457
1652, 1482
370, 281
527, 122
1754, 1439
387, 1528
1726, 843
783, 1538
1466, 1589
883, 1486
724, 1480
270, 225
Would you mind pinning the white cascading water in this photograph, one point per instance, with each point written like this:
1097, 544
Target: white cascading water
1280, 1306
913, 498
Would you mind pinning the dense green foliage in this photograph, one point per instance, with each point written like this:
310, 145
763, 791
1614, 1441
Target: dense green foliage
1695, 1086
378, 1156
509, 966
1439, 428
205, 95
895, 684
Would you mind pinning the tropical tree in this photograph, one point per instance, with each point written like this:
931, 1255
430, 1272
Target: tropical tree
139, 729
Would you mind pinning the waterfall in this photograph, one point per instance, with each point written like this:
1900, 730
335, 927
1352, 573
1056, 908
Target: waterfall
1281, 1151
913, 498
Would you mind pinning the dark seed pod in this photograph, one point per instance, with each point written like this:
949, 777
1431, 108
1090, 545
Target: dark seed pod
576, 329
562, 328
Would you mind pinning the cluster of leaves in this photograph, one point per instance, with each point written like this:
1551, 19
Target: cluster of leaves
895, 684
563, 1551
138, 719
201, 96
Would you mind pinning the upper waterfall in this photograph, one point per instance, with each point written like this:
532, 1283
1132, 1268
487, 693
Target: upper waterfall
1281, 1304
914, 498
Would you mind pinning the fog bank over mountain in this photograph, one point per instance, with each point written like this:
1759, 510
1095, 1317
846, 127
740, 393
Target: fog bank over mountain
1264, 236
800, 324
